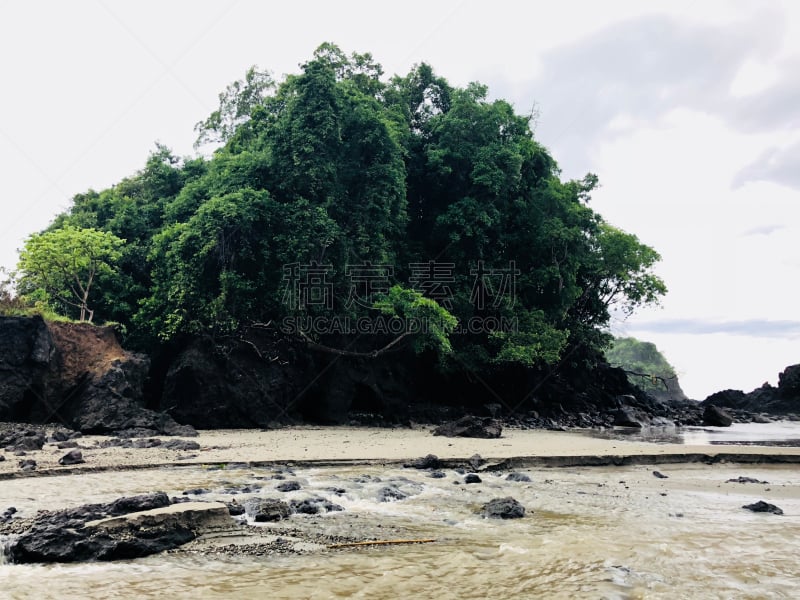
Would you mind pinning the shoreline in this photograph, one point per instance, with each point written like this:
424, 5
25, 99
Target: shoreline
313, 446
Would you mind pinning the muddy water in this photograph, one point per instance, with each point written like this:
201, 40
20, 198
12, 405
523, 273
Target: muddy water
589, 533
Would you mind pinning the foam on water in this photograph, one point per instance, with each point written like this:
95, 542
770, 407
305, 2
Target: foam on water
589, 532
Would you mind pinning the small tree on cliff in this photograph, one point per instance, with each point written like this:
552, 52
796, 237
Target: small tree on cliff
60, 267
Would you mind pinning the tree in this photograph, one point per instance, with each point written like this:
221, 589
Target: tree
61, 267
335, 168
646, 367
236, 105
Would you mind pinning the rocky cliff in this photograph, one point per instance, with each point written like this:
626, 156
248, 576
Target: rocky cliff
74, 374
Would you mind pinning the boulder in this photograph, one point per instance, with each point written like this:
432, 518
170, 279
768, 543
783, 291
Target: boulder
627, 416
22, 440
716, 417
430, 461
741, 479
73, 457
129, 527
288, 486
472, 478
313, 506
472, 427
27, 464
521, 477
391, 494
764, 507
476, 461
183, 445
503, 508
263, 510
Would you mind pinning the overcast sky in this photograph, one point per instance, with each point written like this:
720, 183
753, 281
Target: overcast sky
689, 112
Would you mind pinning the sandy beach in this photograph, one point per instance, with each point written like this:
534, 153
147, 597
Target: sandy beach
363, 445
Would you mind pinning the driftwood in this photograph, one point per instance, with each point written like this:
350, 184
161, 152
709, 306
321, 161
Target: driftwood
381, 543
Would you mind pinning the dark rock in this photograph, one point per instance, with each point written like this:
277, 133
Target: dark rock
503, 508
746, 480
2, 458
60, 436
437, 475
211, 389
470, 426
22, 441
716, 417
288, 486
27, 464
195, 492
172, 428
77, 367
431, 461
728, 398
472, 478
762, 506
142, 502
244, 488
67, 444
628, 416
521, 477
136, 432
8, 514
391, 494
235, 509
313, 506
27, 351
182, 445
659, 475
476, 461
263, 510
142, 443
73, 457
62, 536
789, 382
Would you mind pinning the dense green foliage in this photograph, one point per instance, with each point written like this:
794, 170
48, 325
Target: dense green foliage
647, 367
337, 168
60, 267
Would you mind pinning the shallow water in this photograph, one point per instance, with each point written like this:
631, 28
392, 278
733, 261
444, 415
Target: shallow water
597, 532
780, 433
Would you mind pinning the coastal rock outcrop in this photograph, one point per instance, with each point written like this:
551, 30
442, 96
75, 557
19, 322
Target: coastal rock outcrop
129, 527
778, 401
73, 373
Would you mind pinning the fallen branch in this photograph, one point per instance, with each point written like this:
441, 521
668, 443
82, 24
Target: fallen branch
381, 543
372, 354
651, 377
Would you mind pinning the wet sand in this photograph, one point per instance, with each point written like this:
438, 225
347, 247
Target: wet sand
364, 445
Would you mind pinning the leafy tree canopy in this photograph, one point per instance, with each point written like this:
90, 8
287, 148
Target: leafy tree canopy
60, 267
397, 197
646, 366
